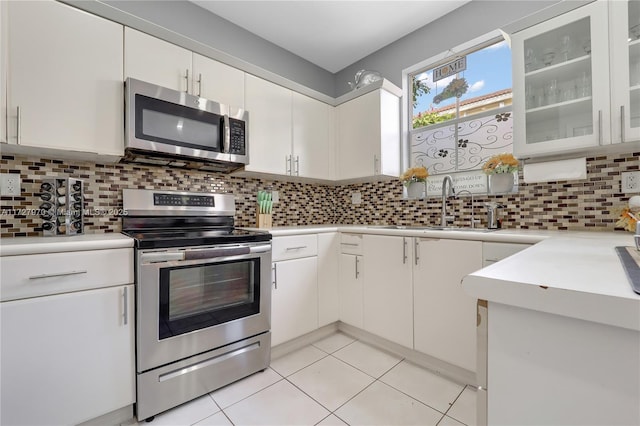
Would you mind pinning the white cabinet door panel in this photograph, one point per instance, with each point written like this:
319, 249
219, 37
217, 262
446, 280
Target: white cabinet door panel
65, 76
312, 139
67, 358
328, 273
269, 107
388, 288
218, 82
351, 289
294, 299
444, 315
156, 61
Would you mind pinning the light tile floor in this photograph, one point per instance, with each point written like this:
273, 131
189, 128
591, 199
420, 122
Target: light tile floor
335, 381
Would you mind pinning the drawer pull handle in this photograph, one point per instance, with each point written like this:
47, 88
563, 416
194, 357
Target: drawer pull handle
350, 244
296, 248
61, 274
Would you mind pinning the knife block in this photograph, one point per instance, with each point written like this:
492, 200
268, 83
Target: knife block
264, 220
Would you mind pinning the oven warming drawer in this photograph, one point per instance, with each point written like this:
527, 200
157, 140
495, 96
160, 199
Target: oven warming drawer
173, 384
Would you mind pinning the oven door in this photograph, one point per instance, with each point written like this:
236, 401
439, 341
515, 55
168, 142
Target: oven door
194, 300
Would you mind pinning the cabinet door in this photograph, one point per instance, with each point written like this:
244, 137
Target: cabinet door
328, 272
444, 315
64, 78
388, 289
313, 147
269, 107
624, 33
351, 289
156, 61
358, 136
217, 82
294, 299
67, 358
561, 83
4, 32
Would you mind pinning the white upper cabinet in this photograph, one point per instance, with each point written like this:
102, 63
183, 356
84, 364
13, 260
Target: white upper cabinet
561, 83
156, 61
269, 107
624, 42
218, 82
313, 140
64, 79
289, 134
368, 136
3, 71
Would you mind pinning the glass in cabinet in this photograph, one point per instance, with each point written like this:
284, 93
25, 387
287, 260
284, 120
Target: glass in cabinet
561, 80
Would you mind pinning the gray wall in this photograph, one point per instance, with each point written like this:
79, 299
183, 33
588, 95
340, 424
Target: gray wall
472, 20
192, 21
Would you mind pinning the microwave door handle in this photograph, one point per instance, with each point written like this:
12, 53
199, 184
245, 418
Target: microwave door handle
226, 134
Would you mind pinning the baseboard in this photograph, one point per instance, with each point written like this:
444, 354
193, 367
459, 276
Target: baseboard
302, 341
120, 416
450, 371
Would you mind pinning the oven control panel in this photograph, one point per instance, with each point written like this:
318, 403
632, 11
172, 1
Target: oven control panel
180, 200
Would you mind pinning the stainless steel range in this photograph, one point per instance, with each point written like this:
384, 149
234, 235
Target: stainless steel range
203, 296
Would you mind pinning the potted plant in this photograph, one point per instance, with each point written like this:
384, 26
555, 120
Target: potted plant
500, 169
414, 179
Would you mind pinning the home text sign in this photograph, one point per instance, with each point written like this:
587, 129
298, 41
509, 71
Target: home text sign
443, 71
474, 181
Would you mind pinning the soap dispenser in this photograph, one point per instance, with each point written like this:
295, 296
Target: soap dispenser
493, 221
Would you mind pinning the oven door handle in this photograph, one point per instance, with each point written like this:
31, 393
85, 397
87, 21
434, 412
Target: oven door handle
161, 257
215, 252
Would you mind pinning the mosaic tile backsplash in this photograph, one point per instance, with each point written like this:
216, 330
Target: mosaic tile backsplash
592, 204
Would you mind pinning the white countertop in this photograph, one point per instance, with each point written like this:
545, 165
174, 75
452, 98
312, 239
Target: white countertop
37, 245
576, 275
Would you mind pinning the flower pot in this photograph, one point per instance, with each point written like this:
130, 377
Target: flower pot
500, 183
416, 190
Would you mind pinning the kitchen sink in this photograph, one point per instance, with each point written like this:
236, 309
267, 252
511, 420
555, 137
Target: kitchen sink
432, 228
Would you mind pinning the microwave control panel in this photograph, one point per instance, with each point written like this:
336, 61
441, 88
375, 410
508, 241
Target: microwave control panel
238, 137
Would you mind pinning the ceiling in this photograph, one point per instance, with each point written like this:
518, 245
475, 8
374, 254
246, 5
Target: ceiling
331, 34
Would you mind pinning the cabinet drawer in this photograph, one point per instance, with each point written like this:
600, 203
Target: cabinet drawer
351, 244
294, 247
52, 273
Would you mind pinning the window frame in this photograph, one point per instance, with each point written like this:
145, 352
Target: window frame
470, 46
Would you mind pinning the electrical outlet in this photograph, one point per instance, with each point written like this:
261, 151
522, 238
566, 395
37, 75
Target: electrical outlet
356, 198
630, 182
275, 197
10, 186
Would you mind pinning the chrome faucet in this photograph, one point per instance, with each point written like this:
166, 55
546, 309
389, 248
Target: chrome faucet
444, 219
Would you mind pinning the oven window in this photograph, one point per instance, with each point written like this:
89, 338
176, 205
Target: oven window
201, 296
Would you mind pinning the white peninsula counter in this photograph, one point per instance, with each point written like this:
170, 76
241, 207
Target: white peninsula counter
563, 335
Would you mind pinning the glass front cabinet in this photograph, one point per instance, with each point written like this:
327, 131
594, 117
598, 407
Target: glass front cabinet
577, 79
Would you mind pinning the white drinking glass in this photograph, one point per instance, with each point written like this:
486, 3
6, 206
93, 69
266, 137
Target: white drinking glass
583, 85
566, 47
548, 57
530, 60
551, 91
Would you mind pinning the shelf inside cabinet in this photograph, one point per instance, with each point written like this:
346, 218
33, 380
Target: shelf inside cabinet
562, 72
571, 106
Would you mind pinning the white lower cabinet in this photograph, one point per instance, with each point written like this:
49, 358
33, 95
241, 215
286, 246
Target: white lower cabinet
328, 291
388, 288
294, 299
444, 315
351, 289
294, 290
67, 358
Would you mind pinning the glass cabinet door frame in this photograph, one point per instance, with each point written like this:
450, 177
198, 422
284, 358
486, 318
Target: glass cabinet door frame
597, 14
620, 48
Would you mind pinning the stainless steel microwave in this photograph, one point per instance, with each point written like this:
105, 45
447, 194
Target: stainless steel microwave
164, 126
